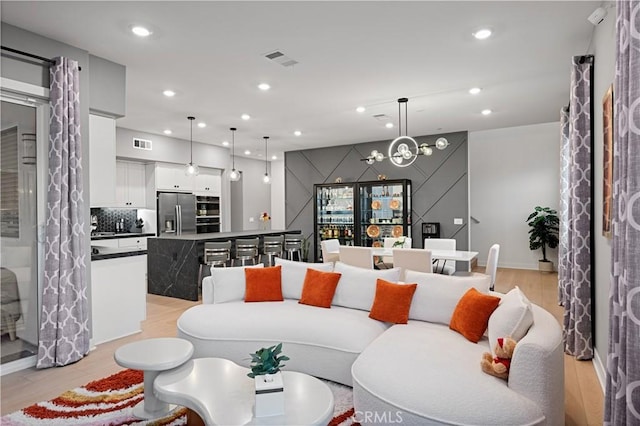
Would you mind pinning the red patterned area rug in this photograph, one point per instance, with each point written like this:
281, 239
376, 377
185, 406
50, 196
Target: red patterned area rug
110, 402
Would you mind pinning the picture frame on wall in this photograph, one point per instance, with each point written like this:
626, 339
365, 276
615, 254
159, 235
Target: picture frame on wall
607, 163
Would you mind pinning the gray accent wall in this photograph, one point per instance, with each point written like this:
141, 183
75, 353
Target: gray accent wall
439, 183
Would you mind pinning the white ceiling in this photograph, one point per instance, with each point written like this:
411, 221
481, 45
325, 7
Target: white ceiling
349, 54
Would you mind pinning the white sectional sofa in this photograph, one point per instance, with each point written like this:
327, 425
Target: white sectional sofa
421, 372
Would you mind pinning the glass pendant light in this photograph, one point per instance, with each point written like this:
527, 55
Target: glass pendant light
266, 178
234, 175
191, 169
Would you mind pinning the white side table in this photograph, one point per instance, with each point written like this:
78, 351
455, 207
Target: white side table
153, 356
220, 392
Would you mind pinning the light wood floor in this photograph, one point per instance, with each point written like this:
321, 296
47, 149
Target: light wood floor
583, 394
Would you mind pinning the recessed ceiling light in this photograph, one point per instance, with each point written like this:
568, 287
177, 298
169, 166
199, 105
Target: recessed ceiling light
169, 93
486, 111
389, 125
264, 86
225, 143
361, 109
140, 31
482, 34
167, 132
297, 133
247, 152
274, 157
475, 90
202, 125
245, 116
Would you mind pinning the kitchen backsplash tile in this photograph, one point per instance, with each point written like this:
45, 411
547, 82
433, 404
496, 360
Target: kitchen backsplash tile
107, 218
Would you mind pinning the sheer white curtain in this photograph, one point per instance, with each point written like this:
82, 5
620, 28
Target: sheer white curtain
64, 330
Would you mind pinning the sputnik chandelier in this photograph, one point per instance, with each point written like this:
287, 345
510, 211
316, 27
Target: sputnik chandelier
404, 150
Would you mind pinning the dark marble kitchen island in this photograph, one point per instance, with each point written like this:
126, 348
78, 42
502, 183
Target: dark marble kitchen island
173, 261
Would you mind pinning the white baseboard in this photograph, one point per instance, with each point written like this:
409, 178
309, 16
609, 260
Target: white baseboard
20, 364
600, 371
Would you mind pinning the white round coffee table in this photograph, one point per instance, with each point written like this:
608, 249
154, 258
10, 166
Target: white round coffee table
153, 356
220, 392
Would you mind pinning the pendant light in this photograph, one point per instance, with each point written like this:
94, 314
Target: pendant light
191, 169
234, 175
404, 150
266, 178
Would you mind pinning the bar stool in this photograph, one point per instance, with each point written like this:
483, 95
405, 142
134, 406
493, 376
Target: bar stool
271, 248
293, 245
215, 254
246, 249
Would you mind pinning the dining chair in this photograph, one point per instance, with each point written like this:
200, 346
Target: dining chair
492, 264
271, 248
357, 256
448, 267
330, 250
412, 259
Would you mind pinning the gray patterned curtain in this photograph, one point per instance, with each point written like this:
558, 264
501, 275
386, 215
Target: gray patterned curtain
563, 211
576, 250
64, 331
622, 397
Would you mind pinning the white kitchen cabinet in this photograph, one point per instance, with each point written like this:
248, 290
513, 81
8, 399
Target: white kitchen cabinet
172, 177
102, 161
130, 184
208, 182
139, 243
118, 297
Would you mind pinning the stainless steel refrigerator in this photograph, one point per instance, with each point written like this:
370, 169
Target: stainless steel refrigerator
176, 213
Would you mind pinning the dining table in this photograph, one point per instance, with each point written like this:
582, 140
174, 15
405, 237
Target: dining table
436, 255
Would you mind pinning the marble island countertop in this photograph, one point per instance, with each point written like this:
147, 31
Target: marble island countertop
225, 235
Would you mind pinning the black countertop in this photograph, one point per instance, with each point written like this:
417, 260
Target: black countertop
104, 256
113, 235
225, 235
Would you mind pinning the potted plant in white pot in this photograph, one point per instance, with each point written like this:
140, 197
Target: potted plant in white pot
265, 370
543, 233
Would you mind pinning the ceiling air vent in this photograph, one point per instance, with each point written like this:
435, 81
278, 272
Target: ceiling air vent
142, 144
281, 58
381, 117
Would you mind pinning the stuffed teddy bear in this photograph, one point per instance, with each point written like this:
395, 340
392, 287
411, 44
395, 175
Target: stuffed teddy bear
499, 365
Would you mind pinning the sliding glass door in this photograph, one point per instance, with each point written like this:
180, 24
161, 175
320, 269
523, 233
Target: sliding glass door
19, 246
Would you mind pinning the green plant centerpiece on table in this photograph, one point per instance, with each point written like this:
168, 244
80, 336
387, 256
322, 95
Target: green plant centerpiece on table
267, 361
544, 224
399, 242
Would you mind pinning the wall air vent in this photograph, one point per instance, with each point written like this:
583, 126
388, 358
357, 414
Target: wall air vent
281, 58
142, 144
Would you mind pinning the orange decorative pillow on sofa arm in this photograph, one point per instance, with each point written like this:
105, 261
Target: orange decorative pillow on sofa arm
471, 316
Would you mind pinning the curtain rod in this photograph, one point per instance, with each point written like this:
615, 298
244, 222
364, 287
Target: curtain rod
31, 55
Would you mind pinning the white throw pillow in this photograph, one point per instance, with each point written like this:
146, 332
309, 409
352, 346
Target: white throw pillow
293, 274
225, 284
437, 295
513, 317
357, 286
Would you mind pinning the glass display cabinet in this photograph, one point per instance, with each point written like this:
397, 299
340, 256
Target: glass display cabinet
334, 214
384, 211
361, 213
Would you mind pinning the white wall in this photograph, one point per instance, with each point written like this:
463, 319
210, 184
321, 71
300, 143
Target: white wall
511, 171
256, 196
604, 69
277, 195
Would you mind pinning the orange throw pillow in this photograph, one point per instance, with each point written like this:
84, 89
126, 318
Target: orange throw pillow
392, 302
471, 316
263, 284
319, 287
